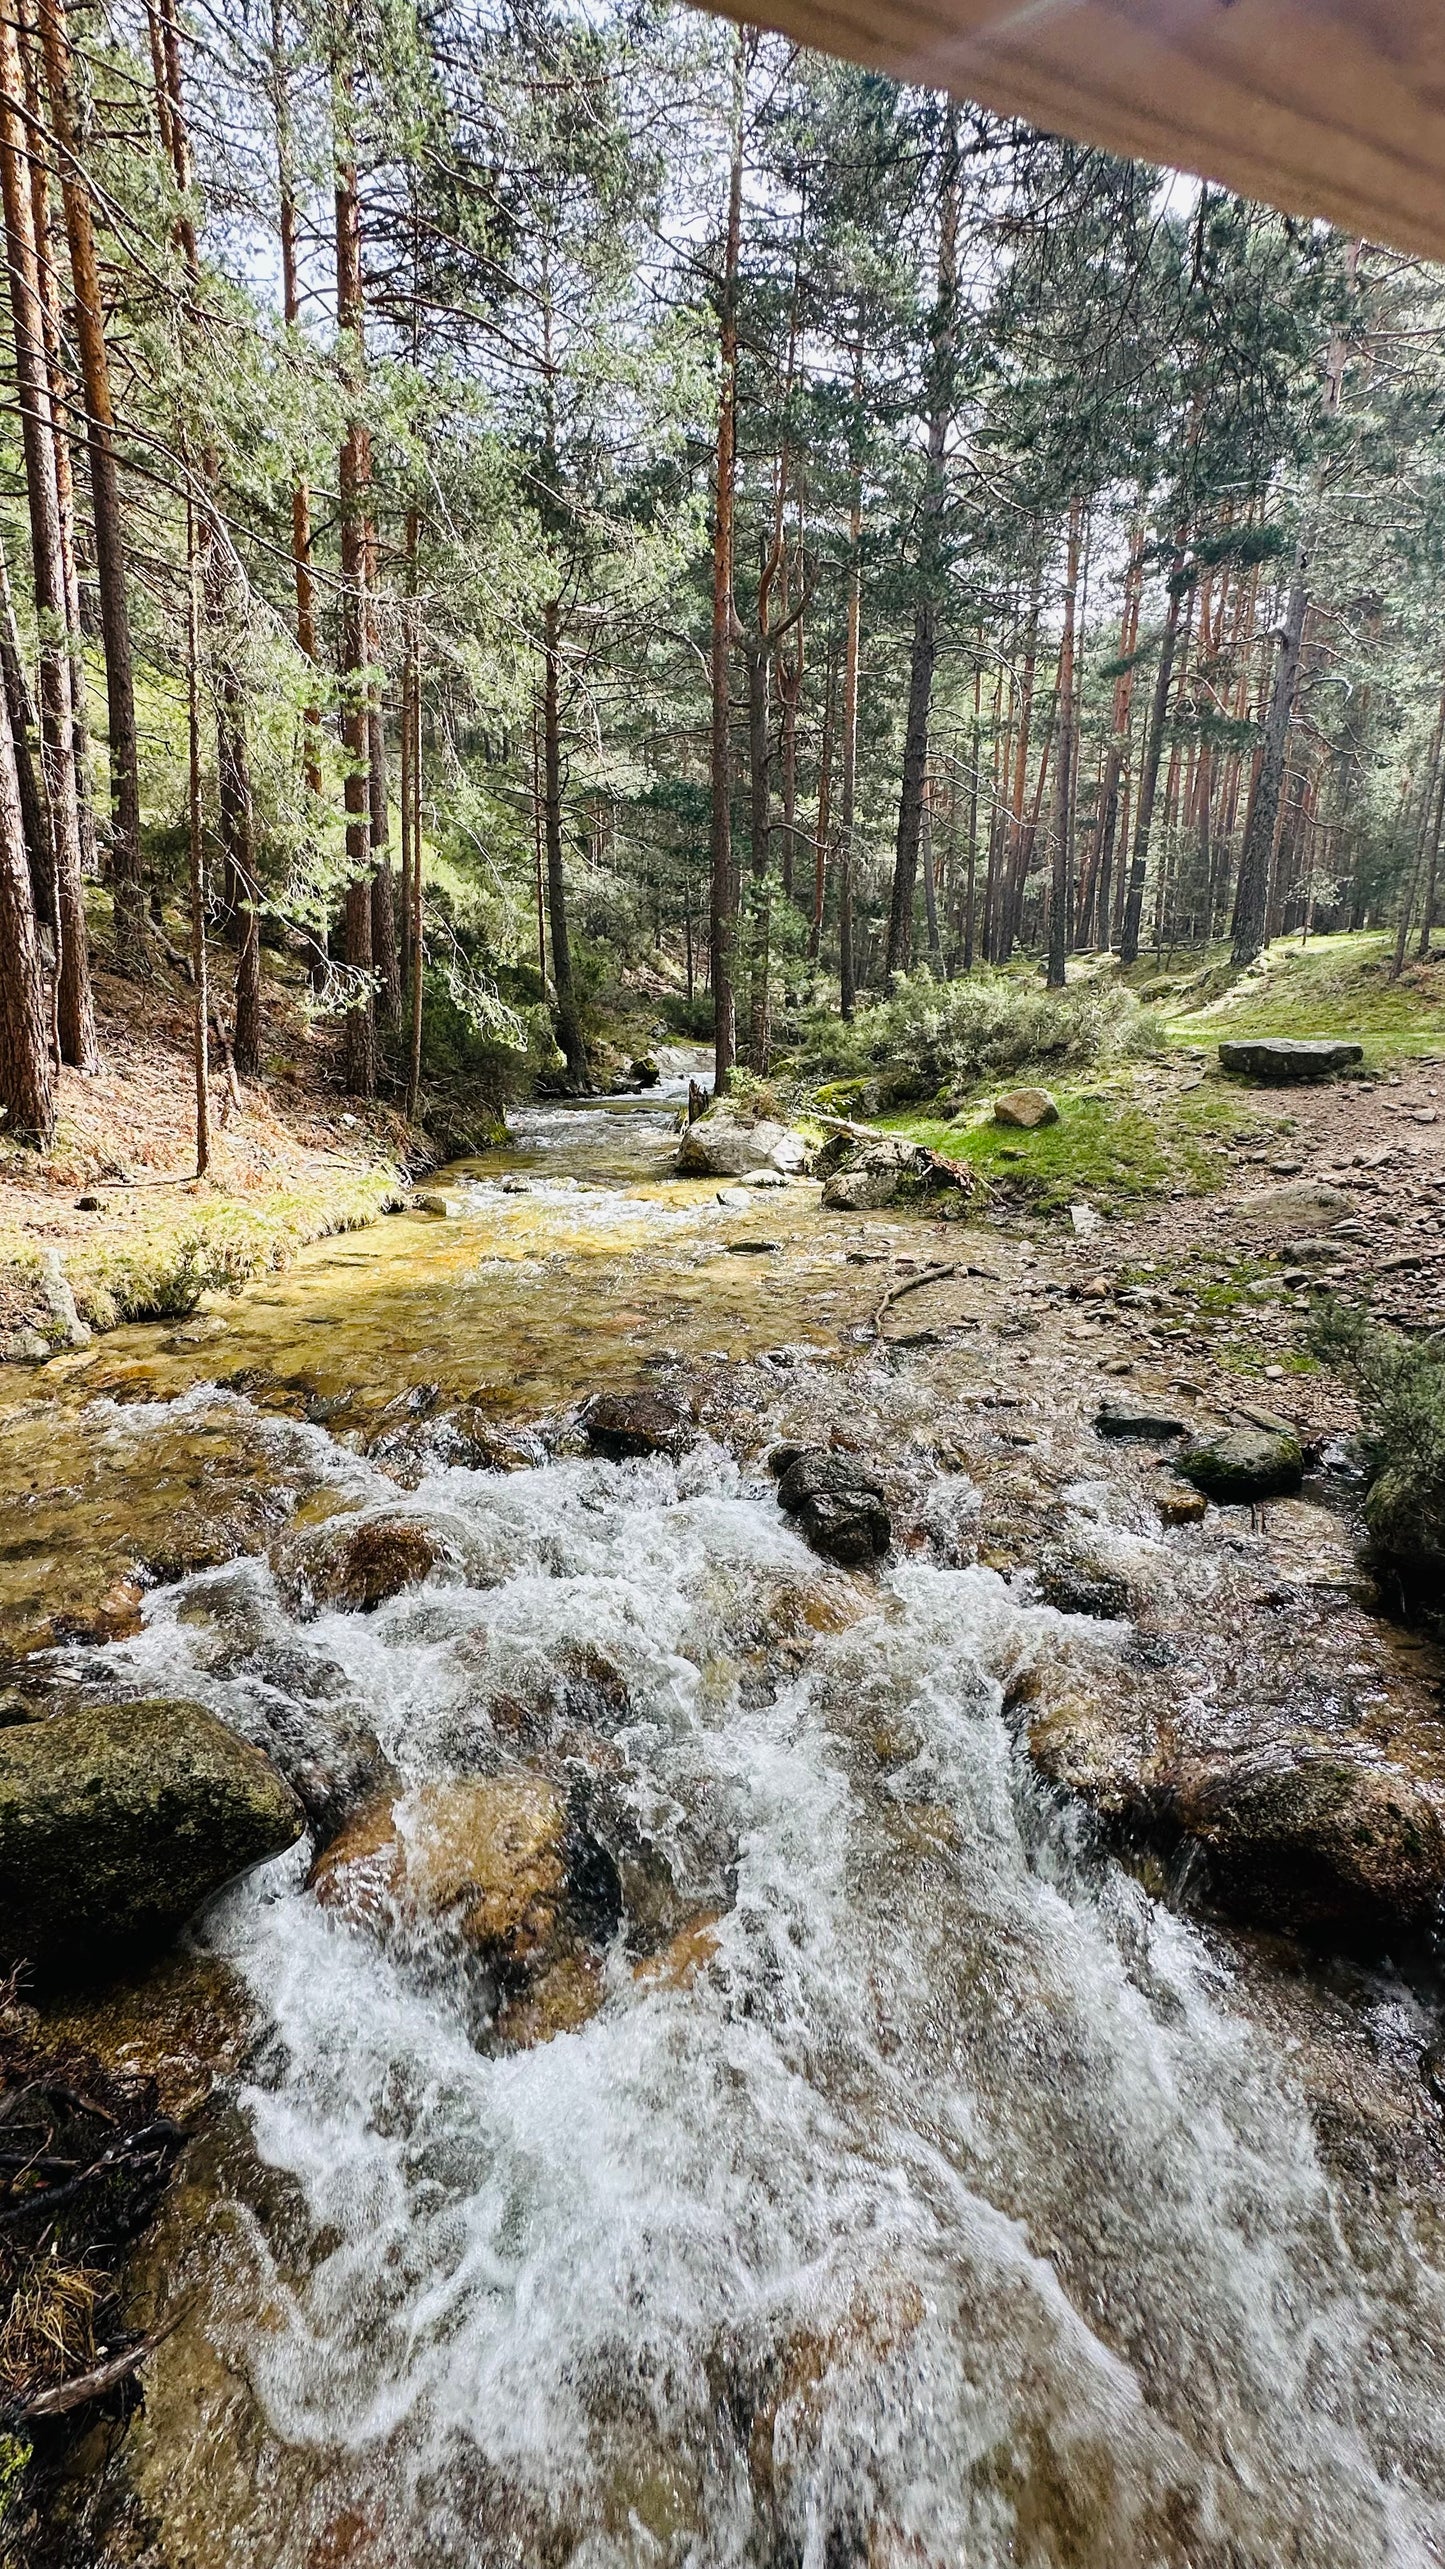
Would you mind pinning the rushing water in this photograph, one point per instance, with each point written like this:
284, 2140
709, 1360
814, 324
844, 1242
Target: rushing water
952, 2207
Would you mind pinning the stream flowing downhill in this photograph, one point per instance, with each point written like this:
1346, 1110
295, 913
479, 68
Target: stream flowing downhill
949, 2206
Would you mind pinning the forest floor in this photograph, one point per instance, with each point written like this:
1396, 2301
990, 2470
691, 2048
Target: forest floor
116, 1200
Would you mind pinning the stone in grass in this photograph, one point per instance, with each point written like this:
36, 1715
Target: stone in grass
1243, 1464
1116, 1416
1026, 1109
1289, 1057
838, 1504
117, 1820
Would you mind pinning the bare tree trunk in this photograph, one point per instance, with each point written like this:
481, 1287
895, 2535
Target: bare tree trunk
27, 1087
75, 1014
20, 708
125, 853
721, 920
355, 478
1251, 899
200, 1032
1060, 903
1149, 764
942, 398
569, 1030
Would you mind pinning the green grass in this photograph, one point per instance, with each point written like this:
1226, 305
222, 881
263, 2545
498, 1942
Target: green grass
1116, 1147
1335, 986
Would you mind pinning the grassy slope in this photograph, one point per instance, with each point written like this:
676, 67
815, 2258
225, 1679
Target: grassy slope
1129, 1135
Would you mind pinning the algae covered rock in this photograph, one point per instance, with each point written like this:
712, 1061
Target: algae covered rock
1025, 1110
1242, 1464
1311, 1839
117, 1820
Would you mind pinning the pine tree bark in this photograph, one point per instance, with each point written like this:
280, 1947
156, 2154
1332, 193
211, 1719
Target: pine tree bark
1062, 894
355, 486
1149, 763
756, 657
126, 874
721, 899
942, 401
75, 1014
304, 576
238, 840
1094, 924
20, 708
848, 743
200, 994
1251, 899
27, 1086
569, 1028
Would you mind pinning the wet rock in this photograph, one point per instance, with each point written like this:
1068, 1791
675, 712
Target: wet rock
498, 1862
117, 1820
1289, 1057
838, 1504
1076, 1586
1310, 1839
1116, 1416
1243, 1463
333, 1765
645, 1071
202, 1331
762, 1178
649, 1420
1026, 1109
355, 1564
183, 2020
562, 2001
1178, 1504
431, 1200
684, 1955
893, 1171
724, 1143
734, 1198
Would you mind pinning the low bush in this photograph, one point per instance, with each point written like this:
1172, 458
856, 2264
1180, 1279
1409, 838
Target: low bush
1400, 1385
934, 1038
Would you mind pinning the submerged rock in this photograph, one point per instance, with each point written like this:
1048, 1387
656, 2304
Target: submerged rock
649, 1420
355, 1565
117, 1820
1243, 1463
498, 1862
1288, 1057
725, 1143
1076, 1586
838, 1503
1026, 1109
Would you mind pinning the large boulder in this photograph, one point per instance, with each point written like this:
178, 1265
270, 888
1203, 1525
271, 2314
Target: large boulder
1026, 1109
495, 1862
1243, 1464
726, 1143
117, 1820
1278, 1058
838, 1504
893, 1171
649, 1420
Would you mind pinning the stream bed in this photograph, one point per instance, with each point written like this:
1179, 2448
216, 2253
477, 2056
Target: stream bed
912, 2182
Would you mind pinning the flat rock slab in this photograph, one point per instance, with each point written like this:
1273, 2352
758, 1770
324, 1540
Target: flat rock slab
1137, 1418
1286, 1057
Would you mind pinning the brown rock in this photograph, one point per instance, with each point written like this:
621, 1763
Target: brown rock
683, 1957
645, 1421
356, 1564
1026, 1109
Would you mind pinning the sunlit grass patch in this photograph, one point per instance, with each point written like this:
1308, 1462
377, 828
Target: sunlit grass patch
1106, 1144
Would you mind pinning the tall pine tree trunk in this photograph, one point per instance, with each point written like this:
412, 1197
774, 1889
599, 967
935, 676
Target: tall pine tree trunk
1251, 899
1149, 763
569, 1029
721, 903
20, 709
57, 728
756, 658
27, 1087
125, 852
1059, 906
942, 400
355, 480
852, 643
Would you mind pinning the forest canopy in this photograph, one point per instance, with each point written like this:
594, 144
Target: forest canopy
509, 508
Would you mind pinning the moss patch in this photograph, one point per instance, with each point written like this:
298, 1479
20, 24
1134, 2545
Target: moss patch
1334, 986
1116, 1146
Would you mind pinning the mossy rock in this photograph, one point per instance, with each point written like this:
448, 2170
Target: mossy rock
117, 1820
1243, 1464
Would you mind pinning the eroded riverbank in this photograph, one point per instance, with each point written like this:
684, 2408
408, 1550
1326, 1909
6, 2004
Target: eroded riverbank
915, 2181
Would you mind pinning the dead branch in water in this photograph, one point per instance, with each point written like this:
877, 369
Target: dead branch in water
910, 1284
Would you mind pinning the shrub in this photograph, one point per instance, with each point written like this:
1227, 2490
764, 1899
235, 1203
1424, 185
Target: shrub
934, 1037
1400, 1385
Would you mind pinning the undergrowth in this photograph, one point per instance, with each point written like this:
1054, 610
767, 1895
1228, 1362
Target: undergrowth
935, 1039
1400, 1385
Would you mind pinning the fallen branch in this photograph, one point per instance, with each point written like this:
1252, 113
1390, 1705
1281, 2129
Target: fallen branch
92, 2385
158, 2136
910, 1284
